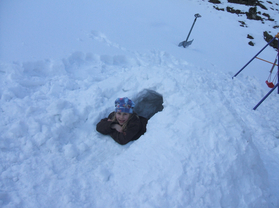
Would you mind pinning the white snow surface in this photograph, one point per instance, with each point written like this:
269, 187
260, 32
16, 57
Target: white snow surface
62, 65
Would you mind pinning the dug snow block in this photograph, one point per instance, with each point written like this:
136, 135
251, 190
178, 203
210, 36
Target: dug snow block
147, 103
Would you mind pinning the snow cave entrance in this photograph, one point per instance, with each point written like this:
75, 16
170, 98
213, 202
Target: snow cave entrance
147, 103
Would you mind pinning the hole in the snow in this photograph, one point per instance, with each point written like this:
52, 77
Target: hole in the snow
147, 103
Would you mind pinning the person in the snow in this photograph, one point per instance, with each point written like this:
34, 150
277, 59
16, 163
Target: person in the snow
123, 125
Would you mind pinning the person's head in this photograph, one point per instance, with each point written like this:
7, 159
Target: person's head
123, 109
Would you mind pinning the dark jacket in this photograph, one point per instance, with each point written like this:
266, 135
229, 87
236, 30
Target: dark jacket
134, 129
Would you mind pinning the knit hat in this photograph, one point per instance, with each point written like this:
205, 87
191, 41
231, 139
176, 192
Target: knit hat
124, 105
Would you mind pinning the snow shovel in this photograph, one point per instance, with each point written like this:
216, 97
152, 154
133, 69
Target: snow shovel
186, 43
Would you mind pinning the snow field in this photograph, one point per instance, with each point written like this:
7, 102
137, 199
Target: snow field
207, 148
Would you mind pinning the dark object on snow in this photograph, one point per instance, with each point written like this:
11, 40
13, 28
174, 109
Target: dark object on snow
243, 24
251, 43
268, 38
250, 37
252, 14
186, 42
214, 1
234, 11
246, 2
147, 103
219, 9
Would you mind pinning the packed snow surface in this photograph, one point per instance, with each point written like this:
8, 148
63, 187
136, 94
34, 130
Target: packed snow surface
63, 63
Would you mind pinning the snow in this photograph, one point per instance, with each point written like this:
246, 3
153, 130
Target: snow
62, 65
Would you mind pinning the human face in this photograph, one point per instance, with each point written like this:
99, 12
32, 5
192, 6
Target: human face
122, 117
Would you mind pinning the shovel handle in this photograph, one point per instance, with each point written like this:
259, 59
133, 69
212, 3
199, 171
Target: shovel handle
196, 16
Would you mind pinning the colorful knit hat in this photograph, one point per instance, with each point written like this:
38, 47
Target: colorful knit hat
124, 105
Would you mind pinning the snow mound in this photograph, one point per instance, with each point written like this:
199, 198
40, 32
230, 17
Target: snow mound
197, 152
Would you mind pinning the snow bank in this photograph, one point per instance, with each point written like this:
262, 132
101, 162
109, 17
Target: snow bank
197, 152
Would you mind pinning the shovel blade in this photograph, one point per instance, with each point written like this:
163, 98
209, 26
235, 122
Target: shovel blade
185, 43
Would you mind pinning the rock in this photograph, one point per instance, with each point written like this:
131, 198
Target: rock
243, 24
268, 38
214, 1
232, 10
219, 9
246, 2
250, 37
251, 43
252, 14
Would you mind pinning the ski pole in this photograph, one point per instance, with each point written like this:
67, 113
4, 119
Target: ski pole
266, 96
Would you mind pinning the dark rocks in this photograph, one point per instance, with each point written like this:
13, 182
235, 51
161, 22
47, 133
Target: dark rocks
243, 24
250, 36
261, 5
268, 38
214, 1
219, 9
252, 14
246, 2
268, 16
234, 11
251, 43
